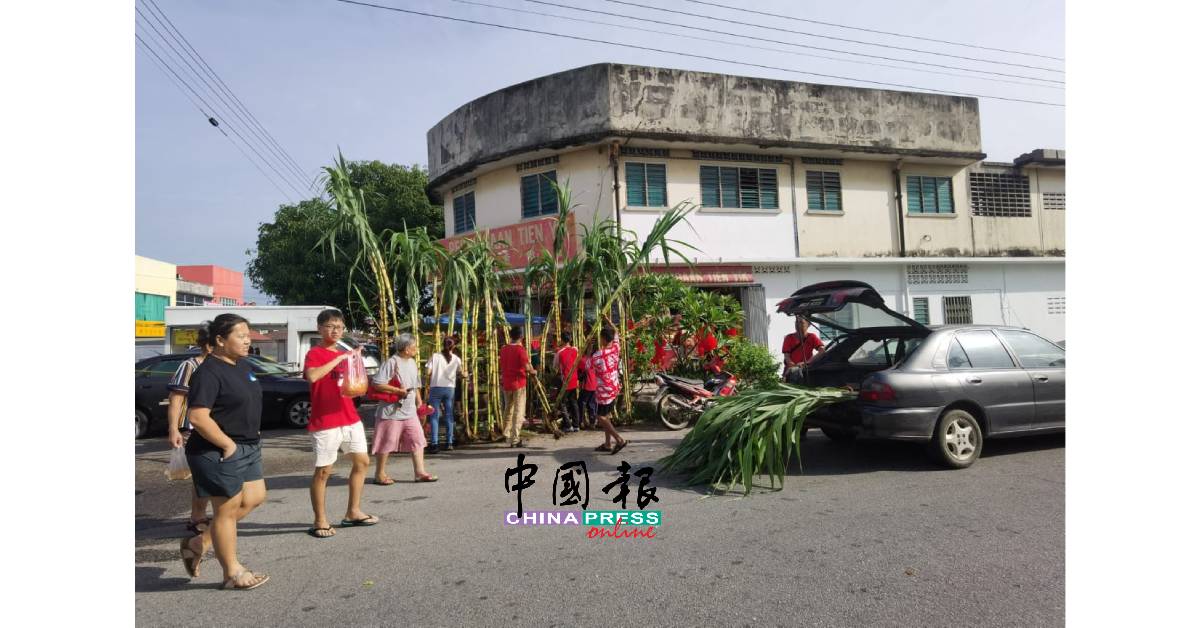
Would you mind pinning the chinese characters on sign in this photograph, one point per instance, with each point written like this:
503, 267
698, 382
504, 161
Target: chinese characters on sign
572, 487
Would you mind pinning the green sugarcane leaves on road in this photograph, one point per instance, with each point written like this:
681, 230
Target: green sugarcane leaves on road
748, 434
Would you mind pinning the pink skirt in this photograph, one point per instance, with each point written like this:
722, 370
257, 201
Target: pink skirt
392, 436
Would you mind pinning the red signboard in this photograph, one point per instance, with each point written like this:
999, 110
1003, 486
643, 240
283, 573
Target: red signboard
525, 240
708, 274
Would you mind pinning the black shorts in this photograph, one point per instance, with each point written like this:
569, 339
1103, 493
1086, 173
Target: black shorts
605, 409
214, 478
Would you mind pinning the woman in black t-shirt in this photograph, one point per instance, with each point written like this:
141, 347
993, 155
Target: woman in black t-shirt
224, 452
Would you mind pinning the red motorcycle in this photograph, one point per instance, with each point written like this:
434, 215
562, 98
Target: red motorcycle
681, 400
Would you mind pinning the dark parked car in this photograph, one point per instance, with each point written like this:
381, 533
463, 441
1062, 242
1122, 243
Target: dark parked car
952, 386
285, 396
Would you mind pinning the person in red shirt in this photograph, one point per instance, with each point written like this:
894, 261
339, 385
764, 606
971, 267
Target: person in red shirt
587, 395
799, 349
514, 365
334, 424
566, 361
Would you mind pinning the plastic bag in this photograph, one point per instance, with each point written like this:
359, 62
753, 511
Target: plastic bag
177, 466
354, 382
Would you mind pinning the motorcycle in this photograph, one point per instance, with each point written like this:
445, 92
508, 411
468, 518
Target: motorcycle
681, 400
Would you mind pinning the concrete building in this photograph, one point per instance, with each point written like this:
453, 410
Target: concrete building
153, 293
226, 285
794, 183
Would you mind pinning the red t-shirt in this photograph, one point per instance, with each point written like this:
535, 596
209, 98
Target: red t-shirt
566, 363
512, 366
329, 408
589, 379
801, 351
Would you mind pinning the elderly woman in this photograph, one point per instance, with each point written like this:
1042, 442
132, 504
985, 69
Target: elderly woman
397, 425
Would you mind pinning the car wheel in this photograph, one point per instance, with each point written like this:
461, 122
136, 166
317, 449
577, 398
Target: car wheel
297, 412
958, 440
674, 412
839, 436
142, 423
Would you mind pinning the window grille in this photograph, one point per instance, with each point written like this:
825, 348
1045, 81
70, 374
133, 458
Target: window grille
1000, 194
537, 163
1056, 305
957, 309
824, 191
715, 156
1054, 200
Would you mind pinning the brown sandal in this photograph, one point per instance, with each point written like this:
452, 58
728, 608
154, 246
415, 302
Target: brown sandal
191, 560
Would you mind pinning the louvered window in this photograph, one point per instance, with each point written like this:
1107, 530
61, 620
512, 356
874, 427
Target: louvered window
537, 195
1000, 194
747, 188
824, 191
930, 195
464, 213
921, 310
645, 185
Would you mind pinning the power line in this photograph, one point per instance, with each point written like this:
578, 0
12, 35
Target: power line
232, 127
196, 54
788, 43
751, 46
696, 56
852, 41
877, 32
180, 84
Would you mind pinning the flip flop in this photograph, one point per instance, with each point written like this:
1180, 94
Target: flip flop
603, 448
426, 478
388, 483
368, 520
191, 560
232, 583
619, 447
316, 532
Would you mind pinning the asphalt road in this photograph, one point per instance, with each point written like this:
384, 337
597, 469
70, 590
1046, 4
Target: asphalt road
868, 534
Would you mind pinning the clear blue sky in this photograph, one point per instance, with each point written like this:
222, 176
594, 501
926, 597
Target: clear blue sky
320, 74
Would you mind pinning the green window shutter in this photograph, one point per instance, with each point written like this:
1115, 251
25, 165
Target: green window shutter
928, 194
464, 213
768, 186
748, 179
635, 185
529, 196
945, 199
549, 196
921, 310
150, 307
814, 188
470, 211
729, 187
656, 185
710, 186
914, 195
833, 191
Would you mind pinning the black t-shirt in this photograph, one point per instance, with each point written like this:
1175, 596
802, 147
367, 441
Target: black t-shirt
233, 395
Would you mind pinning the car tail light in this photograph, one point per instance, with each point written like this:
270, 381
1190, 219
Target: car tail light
876, 391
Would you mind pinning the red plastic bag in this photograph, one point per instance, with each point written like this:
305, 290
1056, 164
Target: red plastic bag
354, 382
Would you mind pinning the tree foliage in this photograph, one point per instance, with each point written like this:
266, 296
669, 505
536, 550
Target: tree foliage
286, 262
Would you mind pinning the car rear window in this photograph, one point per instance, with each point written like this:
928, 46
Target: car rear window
984, 350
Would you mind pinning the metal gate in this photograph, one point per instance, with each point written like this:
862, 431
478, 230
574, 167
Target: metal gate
754, 304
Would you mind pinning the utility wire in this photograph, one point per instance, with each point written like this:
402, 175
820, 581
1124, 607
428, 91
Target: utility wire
871, 30
751, 46
200, 58
180, 84
695, 56
232, 127
851, 41
788, 43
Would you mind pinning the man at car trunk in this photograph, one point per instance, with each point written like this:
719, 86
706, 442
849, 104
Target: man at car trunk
799, 349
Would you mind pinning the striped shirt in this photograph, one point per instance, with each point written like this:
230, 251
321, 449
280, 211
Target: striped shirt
179, 383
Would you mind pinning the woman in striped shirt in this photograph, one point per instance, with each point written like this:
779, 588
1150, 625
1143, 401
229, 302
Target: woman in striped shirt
178, 427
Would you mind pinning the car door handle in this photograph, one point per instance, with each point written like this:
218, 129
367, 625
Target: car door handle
974, 379
1042, 378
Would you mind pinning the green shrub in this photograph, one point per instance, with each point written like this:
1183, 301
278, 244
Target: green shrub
753, 364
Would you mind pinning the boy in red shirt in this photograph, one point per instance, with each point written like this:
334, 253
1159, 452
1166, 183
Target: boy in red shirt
334, 424
799, 349
514, 364
565, 364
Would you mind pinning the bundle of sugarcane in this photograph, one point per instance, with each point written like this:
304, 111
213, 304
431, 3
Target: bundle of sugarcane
750, 433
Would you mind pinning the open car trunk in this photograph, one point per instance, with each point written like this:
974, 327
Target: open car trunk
873, 337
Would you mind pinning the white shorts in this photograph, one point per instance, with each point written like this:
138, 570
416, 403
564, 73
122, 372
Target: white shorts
326, 443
